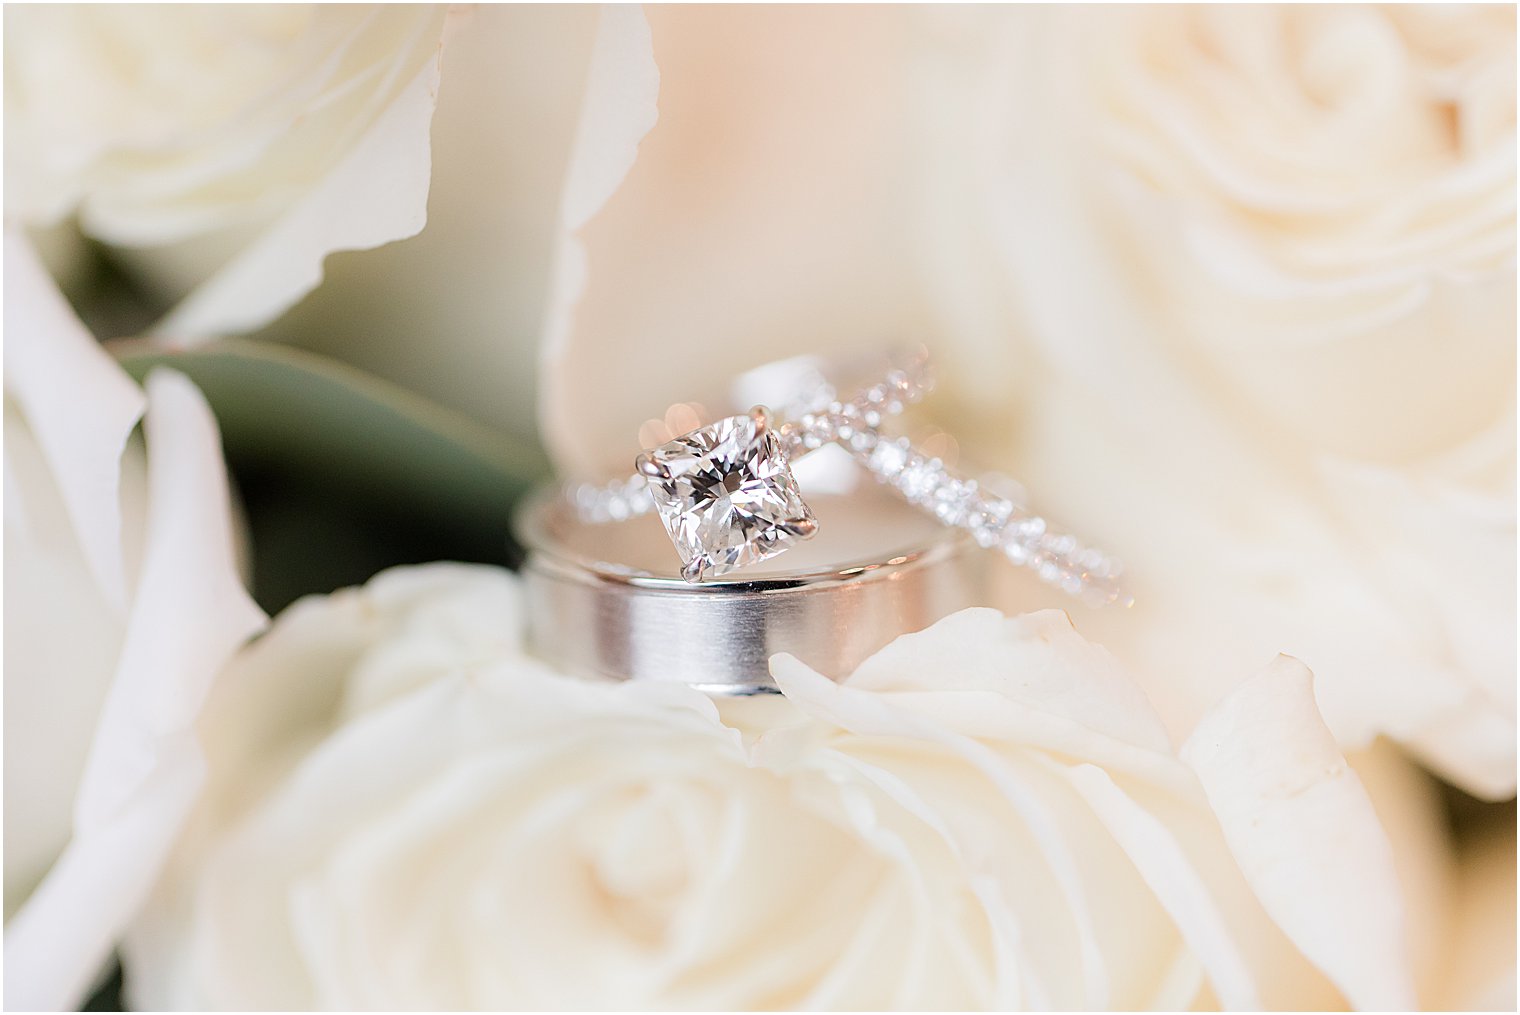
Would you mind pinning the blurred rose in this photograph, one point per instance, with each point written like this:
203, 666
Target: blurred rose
1266, 259
1231, 289
408, 812
122, 602
240, 144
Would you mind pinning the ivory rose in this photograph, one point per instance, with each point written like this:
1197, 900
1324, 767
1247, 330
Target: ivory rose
239, 143
407, 811
1265, 260
122, 602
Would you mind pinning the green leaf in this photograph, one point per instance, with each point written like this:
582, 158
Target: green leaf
343, 473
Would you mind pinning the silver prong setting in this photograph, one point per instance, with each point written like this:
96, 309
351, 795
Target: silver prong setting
803, 528
762, 417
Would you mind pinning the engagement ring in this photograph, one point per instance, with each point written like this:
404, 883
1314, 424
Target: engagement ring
728, 499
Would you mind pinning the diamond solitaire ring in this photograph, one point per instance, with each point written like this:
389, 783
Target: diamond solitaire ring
727, 496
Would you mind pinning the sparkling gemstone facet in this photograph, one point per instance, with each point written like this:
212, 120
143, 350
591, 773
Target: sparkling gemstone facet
726, 495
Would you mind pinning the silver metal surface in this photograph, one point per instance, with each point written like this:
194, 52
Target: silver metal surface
606, 600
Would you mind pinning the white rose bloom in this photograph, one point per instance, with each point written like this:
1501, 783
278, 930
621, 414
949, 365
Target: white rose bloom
122, 602
1266, 265
406, 811
242, 143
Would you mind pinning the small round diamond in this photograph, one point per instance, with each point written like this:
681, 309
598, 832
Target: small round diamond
888, 458
919, 478
954, 501
987, 519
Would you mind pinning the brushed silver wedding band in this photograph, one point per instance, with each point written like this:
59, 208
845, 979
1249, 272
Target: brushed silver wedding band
599, 603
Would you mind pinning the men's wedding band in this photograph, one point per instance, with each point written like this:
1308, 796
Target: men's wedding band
604, 601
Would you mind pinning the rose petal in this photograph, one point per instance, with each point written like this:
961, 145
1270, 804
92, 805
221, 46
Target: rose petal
1304, 833
376, 194
52, 367
1037, 662
781, 127
1168, 872
189, 614
190, 611
871, 714
512, 705
619, 109
1443, 531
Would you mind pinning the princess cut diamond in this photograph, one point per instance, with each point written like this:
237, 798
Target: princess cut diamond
726, 496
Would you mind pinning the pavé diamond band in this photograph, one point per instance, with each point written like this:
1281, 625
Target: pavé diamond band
728, 499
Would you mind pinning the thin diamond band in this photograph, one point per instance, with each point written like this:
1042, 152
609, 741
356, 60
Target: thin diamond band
994, 521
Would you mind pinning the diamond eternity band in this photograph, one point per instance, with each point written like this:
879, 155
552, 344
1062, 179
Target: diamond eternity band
727, 497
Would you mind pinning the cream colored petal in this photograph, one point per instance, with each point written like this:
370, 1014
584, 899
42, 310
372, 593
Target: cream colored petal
190, 610
872, 714
189, 613
617, 111
376, 194
53, 368
484, 262
62, 640
764, 218
1178, 886
1444, 530
1304, 833
353, 780
58, 942
1038, 661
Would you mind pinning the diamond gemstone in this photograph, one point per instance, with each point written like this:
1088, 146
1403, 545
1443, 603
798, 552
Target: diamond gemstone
726, 496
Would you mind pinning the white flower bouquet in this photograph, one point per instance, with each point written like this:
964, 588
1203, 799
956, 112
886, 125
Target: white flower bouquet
301, 302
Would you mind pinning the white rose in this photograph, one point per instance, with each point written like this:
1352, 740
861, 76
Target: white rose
122, 602
1266, 264
406, 811
241, 143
